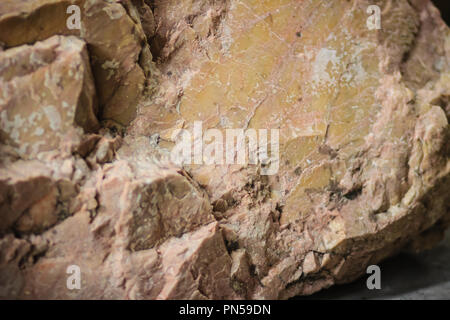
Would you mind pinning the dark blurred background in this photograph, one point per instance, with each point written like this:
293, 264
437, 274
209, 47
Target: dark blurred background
444, 7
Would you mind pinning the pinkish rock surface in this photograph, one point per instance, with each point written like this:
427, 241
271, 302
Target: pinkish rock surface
87, 127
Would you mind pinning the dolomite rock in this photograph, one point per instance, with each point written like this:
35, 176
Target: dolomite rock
121, 59
34, 195
364, 160
158, 202
47, 91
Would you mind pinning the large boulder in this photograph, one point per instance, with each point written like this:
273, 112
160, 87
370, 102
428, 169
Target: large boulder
359, 167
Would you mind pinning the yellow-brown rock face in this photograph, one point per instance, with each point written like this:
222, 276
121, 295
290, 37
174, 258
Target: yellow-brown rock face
358, 145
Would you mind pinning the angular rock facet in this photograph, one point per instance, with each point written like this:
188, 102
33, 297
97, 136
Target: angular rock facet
47, 91
121, 60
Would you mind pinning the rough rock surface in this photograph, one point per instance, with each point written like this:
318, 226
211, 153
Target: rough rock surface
364, 168
47, 90
121, 59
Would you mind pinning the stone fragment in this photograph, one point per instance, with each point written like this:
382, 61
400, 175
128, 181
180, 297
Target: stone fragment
310, 264
105, 149
47, 92
40, 215
157, 201
146, 17
12, 250
204, 264
23, 185
359, 127
121, 60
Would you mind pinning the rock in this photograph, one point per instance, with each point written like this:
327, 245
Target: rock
47, 91
120, 59
159, 202
310, 264
146, 17
351, 110
35, 196
40, 215
23, 185
205, 264
362, 169
106, 148
11, 253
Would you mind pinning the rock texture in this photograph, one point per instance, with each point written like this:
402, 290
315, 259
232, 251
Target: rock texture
121, 59
88, 120
47, 91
